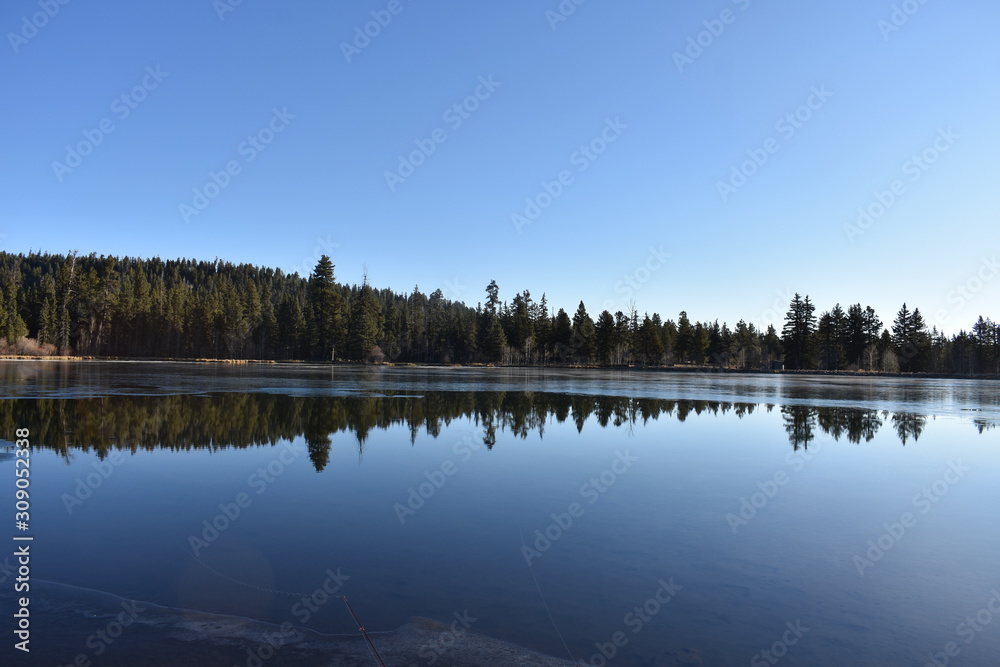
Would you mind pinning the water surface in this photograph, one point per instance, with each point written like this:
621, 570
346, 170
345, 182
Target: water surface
690, 517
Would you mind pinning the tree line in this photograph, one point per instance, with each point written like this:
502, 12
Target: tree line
131, 307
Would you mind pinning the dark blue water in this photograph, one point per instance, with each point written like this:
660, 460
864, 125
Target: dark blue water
650, 517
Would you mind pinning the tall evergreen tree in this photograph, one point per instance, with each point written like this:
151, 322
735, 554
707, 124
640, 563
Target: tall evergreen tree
685, 339
584, 334
797, 334
622, 340
604, 336
291, 327
542, 325
366, 322
67, 285
771, 348
650, 337
49, 318
911, 340
856, 340
833, 338
562, 335
326, 311
745, 345
701, 340
521, 333
492, 299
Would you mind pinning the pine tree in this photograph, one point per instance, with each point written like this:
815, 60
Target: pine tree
466, 341
622, 340
267, 329
542, 325
911, 340
833, 337
744, 345
771, 347
872, 331
292, 328
12, 327
67, 276
521, 332
495, 341
366, 323
604, 338
325, 311
492, 299
669, 340
856, 341
584, 334
48, 319
650, 336
797, 334
685, 339
562, 335
701, 340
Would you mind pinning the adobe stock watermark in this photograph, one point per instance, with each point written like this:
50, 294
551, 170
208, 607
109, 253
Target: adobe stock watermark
779, 649
230, 512
769, 489
964, 292
248, 149
923, 501
223, 7
898, 17
786, 126
591, 491
562, 12
364, 34
635, 621
581, 158
310, 604
85, 486
323, 247
436, 479
303, 611
100, 641
967, 630
454, 116
122, 107
698, 43
914, 168
447, 641
454, 289
634, 281
775, 312
30, 25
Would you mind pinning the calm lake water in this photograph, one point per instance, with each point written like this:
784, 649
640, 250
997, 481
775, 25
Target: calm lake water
659, 518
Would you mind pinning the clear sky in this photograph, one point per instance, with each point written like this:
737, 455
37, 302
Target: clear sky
829, 102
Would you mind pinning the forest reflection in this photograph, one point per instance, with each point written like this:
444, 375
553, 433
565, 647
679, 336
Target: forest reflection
239, 420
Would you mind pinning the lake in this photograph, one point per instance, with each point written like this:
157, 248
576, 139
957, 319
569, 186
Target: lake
214, 514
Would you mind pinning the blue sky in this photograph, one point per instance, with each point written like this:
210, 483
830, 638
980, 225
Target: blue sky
309, 129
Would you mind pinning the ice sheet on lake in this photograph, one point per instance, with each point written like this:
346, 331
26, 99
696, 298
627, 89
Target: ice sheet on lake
69, 622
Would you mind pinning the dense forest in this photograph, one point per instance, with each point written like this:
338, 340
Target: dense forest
139, 308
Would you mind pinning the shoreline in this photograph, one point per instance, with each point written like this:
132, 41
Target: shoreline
705, 370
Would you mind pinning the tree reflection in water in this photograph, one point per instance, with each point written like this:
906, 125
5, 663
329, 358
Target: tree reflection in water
238, 420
